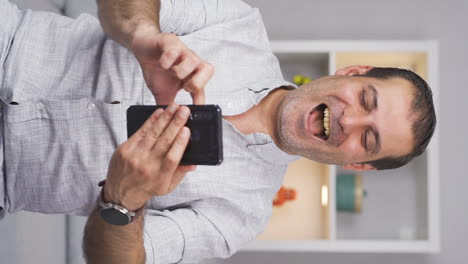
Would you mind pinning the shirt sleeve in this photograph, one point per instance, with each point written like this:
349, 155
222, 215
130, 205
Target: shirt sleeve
10, 18
182, 17
212, 229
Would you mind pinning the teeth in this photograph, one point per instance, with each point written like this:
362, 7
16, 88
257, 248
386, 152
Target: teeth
326, 121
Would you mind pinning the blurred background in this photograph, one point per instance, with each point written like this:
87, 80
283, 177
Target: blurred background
37, 238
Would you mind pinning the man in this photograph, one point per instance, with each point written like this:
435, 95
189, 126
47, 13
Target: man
62, 123
361, 123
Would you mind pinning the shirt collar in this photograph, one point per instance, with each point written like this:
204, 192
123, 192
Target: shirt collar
264, 147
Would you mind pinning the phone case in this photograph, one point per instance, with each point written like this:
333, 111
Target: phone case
205, 146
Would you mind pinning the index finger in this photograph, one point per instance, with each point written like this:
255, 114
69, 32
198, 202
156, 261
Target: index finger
143, 130
195, 84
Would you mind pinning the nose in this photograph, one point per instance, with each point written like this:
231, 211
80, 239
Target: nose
350, 121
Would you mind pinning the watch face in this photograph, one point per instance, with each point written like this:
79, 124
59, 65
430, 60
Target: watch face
114, 216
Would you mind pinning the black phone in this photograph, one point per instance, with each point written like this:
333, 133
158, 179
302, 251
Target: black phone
205, 146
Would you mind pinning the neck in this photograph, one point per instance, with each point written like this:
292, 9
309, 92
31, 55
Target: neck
260, 118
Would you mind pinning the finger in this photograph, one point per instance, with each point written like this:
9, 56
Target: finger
153, 134
170, 133
195, 85
174, 155
187, 65
169, 57
179, 174
141, 133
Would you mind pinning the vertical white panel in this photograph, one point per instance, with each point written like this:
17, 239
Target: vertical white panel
33, 238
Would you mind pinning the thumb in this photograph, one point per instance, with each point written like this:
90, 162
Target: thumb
180, 173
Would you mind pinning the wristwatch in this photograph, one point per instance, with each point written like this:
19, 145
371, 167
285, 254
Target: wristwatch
115, 214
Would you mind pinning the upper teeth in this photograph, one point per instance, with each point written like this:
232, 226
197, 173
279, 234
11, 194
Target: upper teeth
326, 121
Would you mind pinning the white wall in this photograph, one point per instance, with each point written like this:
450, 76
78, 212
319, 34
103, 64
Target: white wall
445, 21
32, 238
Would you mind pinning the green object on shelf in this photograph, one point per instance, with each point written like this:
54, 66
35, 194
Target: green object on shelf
349, 193
301, 79
298, 79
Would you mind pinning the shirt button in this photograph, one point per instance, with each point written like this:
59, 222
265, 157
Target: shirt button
258, 149
230, 105
40, 106
91, 106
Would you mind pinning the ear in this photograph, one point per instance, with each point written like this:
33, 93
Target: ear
353, 70
358, 167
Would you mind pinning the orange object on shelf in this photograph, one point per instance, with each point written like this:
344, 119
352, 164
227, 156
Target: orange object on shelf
283, 195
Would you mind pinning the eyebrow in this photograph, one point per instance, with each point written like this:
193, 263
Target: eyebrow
375, 96
377, 145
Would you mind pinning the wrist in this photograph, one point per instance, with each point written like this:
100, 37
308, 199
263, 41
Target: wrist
130, 202
141, 31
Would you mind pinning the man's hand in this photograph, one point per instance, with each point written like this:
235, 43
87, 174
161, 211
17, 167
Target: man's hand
169, 65
147, 164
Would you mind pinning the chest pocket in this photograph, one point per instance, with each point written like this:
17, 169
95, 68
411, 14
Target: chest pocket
57, 151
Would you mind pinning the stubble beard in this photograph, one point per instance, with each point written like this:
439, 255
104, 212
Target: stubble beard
286, 135
287, 128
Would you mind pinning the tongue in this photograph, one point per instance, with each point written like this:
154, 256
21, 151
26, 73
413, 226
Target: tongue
316, 122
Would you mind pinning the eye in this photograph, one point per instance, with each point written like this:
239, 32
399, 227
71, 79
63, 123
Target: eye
364, 140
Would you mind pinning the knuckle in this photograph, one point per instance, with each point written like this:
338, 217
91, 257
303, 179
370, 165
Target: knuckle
209, 68
193, 85
122, 151
171, 160
142, 131
143, 173
193, 59
165, 142
133, 163
153, 134
171, 52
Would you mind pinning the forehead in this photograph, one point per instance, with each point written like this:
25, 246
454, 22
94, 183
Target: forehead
394, 117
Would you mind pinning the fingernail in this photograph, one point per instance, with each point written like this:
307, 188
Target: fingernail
159, 111
157, 114
183, 112
185, 132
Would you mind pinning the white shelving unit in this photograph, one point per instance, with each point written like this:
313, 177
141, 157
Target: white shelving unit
401, 213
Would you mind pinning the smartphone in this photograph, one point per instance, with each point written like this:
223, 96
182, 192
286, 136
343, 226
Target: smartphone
205, 146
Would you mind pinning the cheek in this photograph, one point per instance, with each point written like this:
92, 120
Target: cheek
351, 97
352, 148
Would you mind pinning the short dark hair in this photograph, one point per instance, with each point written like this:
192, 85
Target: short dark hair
423, 127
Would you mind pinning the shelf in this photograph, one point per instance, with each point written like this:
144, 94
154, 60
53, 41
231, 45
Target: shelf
415, 61
312, 65
401, 210
395, 207
306, 217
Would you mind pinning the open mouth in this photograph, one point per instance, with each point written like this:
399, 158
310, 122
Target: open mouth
319, 121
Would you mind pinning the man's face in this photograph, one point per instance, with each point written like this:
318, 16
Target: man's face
368, 119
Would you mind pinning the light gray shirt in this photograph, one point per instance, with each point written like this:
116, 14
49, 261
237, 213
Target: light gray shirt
65, 88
